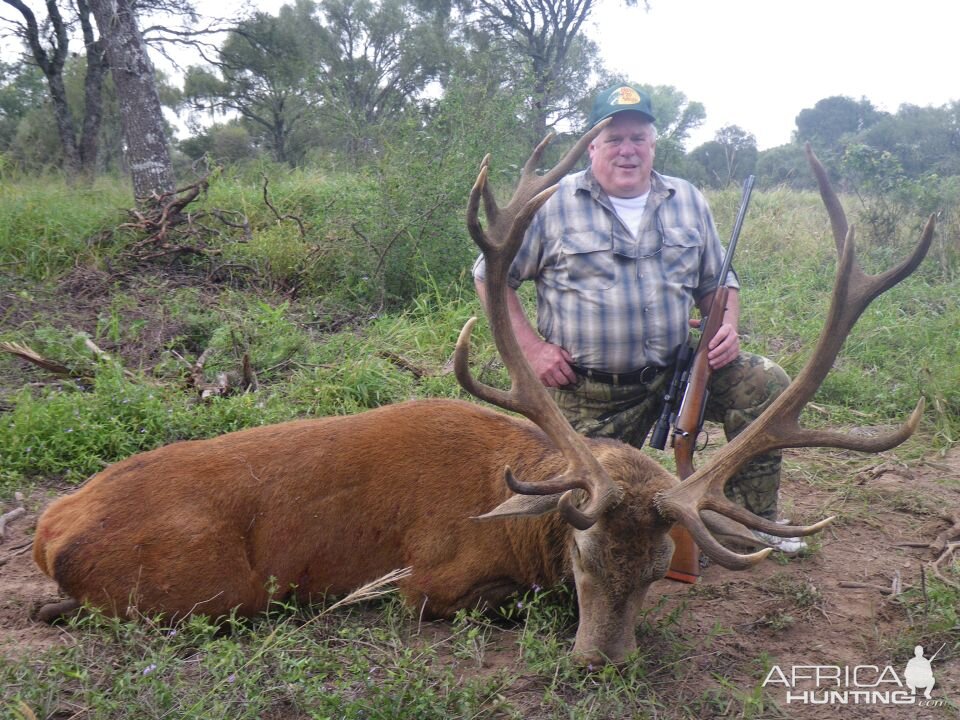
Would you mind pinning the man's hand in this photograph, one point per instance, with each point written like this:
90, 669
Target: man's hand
725, 346
551, 363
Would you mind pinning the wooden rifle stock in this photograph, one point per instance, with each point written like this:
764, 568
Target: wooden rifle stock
685, 564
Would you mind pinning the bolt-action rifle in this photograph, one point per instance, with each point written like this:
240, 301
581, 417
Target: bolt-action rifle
689, 386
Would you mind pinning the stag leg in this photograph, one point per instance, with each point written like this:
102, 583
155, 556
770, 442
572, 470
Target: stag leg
485, 596
51, 612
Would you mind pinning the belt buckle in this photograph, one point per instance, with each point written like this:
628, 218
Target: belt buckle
648, 374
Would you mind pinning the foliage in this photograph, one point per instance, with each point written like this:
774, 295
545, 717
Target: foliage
832, 119
374, 60
729, 158
21, 89
46, 226
263, 73
545, 41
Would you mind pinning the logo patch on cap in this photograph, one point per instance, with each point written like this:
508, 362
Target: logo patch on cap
624, 96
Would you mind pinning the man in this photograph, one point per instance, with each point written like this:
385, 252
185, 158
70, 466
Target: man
620, 255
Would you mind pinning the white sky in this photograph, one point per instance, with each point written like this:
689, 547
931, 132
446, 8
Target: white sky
757, 63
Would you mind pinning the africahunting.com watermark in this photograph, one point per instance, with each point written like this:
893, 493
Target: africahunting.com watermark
858, 684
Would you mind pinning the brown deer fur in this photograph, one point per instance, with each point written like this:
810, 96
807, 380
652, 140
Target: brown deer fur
325, 505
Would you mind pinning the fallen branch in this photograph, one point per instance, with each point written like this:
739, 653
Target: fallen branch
896, 586
9, 517
945, 545
295, 218
404, 364
25, 353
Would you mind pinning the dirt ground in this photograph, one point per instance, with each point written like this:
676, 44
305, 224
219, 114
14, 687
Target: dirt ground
796, 612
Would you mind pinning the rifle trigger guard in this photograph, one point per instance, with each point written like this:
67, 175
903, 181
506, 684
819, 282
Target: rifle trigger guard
706, 440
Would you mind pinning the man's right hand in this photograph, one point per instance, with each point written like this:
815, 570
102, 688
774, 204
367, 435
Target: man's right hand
551, 363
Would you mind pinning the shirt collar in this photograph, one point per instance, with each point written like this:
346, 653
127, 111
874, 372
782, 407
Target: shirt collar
660, 186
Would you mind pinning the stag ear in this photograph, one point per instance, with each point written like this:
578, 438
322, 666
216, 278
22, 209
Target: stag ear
522, 506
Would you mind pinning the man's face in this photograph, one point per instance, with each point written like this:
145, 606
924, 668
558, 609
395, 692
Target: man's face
621, 156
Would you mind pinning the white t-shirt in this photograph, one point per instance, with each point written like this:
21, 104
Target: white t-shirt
630, 210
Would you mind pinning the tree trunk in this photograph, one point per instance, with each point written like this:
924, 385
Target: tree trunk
61, 112
92, 94
51, 64
140, 112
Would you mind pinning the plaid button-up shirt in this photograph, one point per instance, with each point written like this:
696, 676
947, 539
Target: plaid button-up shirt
618, 302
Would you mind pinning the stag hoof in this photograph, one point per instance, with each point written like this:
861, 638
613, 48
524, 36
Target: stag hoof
51, 612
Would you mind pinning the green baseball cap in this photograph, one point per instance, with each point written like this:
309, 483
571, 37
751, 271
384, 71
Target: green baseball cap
618, 99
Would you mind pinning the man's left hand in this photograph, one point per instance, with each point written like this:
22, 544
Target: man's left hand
724, 348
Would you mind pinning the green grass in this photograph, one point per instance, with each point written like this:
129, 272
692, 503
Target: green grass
318, 665
46, 226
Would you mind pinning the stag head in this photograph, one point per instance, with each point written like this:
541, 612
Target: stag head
618, 503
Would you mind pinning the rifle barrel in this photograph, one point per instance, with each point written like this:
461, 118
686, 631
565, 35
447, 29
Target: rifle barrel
732, 245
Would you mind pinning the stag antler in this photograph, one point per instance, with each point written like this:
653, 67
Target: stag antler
778, 426
500, 243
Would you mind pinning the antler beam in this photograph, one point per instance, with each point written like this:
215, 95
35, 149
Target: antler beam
779, 426
499, 244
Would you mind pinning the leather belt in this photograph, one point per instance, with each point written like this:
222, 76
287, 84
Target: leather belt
642, 376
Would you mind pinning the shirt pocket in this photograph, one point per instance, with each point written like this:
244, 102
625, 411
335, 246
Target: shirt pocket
681, 256
588, 261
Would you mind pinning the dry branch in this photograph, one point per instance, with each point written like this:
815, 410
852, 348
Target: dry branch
295, 218
8, 517
945, 545
25, 353
404, 364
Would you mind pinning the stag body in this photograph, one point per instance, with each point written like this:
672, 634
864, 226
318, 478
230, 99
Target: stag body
325, 505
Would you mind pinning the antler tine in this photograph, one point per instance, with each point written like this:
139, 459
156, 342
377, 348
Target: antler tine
779, 425
713, 549
500, 243
552, 176
490, 207
461, 369
838, 218
481, 189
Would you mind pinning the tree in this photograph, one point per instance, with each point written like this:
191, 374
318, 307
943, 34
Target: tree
141, 114
265, 68
546, 36
676, 117
374, 60
730, 156
833, 118
79, 157
21, 90
784, 165
923, 139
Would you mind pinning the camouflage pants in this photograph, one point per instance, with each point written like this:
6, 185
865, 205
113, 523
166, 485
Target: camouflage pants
739, 392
